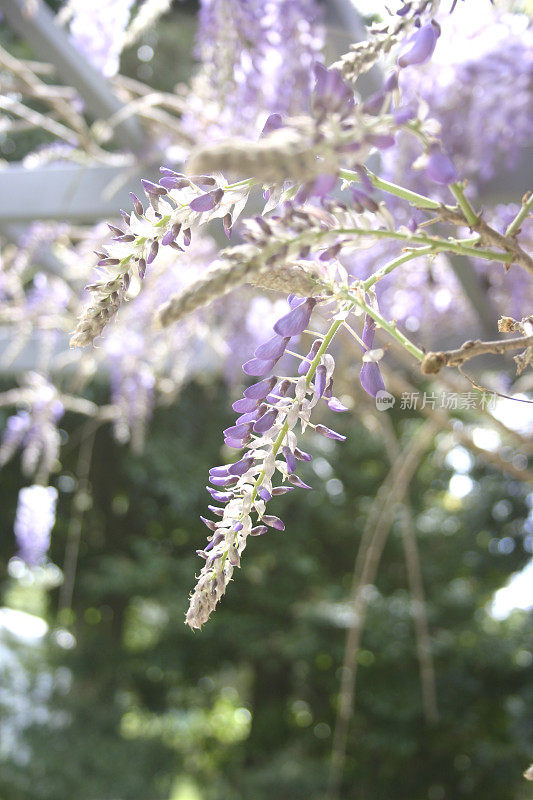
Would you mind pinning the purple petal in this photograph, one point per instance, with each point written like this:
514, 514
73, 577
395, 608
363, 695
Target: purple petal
320, 380
236, 444
264, 494
303, 193
274, 522
222, 482
171, 234
273, 122
391, 81
206, 201
329, 433
298, 482
371, 379
137, 205
153, 188
297, 320
330, 253
258, 391
289, 459
279, 391
219, 512
420, 46
203, 180
323, 185
237, 431
362, 200
219, 472
273, 349
220, 497
381, 141
259, 530
404, 10
306, 363
173, 182
374, 103
265, 422
363, 176
242, 466
334, 404
237, 527
227, 222
369, 330
277, 490
153, 252
250, 416
331, 92
258, 367
244, 405
301, 455
403, 114
440, 168
211, 525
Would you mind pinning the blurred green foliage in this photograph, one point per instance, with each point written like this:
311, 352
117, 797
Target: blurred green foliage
144, 709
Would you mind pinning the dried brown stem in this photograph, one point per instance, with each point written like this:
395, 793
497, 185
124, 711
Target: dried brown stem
76, 519
398, 385
453, 382
423, 641
378, 525
433, 362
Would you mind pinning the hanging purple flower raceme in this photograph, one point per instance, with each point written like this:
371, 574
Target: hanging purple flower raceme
493, 53
97, 31
35, 431
266, 431
256, 58
132, 387
34, 521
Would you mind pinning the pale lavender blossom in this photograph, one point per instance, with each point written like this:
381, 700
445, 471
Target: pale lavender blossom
479, 87
35, 431
420, 46
256, 59
35, 518
97, 31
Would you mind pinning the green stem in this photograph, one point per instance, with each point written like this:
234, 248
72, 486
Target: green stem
308, 378
390, 327
382, 271
527, 205
413, 198
457, 190
438, 245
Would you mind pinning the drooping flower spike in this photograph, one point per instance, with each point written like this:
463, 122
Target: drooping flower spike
34, 521
272, 408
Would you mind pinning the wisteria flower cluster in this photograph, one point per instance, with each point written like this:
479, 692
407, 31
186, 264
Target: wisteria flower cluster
357, 250
269, 412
